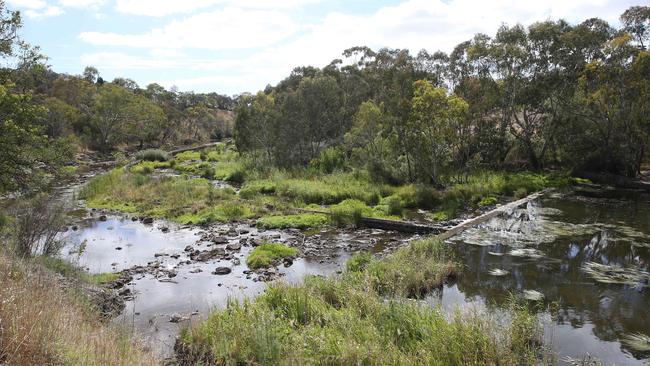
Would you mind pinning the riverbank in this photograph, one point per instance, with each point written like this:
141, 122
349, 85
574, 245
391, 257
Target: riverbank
46, 319
218, 186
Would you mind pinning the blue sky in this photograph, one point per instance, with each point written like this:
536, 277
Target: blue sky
232, 46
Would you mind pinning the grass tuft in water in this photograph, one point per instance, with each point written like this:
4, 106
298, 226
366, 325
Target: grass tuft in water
266, 254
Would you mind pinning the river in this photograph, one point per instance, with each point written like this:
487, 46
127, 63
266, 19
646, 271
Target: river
550, 249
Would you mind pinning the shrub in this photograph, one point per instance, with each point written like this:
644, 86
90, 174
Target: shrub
349, 212
488, 201
36, 223
439, 216
153, 155
265, 254
520, 193
329, 160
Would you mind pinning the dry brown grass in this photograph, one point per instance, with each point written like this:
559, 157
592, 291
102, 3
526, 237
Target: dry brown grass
43, 324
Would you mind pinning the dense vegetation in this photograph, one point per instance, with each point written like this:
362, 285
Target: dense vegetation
47, 117
375, 134
550, 95
347, 321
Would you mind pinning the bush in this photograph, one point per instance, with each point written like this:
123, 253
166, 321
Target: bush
266, 254
349, 212
35, 226
329, 160
488, 201
439, 216
153, 155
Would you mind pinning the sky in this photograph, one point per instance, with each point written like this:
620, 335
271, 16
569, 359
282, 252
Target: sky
230, 47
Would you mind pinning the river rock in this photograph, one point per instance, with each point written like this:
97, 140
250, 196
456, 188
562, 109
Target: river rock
164, 229
118, 248
220, 240
196, 270
103, 218
75, 227
188, 248
233, 246
147, 220
221, 271
175, 318
134, 218
208, 254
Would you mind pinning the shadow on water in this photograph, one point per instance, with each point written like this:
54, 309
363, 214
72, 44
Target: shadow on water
546, 247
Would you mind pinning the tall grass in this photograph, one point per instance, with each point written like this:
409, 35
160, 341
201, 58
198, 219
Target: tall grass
349, 321
43, 324
153, 155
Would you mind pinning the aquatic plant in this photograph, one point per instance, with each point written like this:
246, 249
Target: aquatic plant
614, 274
265, 254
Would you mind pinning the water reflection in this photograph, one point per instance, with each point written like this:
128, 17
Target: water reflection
545, 247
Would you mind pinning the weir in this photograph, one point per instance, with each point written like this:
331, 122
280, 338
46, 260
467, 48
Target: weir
440, 231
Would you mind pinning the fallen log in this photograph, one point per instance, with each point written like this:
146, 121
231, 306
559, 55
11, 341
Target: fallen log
193, 148
508, 207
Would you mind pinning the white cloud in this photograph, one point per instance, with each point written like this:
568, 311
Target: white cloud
159, 8
279, 44
229, 28
28, 4
49, 11
81, 3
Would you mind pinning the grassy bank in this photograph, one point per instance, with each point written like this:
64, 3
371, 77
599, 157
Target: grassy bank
43, 324
272, 194
349, 320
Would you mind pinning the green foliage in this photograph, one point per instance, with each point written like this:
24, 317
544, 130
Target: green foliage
266, 254
153, 155
358, 262
188, 156
349, 212
148, 167
345, 321
328, 189
488, 201
439, 216
298, 221
329, 160
70, 270
182, 199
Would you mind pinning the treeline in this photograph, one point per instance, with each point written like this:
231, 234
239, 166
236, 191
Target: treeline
45, 117
550, 95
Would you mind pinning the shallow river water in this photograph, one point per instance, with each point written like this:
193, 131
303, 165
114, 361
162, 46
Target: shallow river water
550, 249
